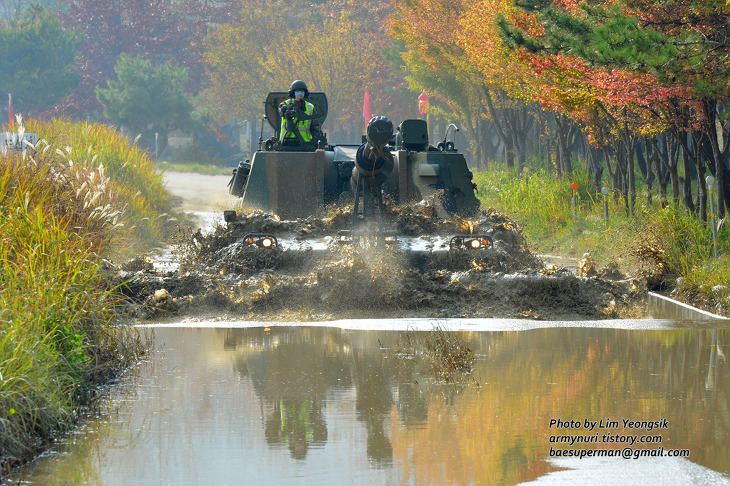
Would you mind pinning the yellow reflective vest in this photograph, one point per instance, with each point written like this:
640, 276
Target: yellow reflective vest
303, 125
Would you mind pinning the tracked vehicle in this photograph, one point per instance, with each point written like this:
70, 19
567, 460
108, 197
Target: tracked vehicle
397, 164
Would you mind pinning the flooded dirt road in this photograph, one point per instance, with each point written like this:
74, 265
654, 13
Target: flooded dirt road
325, 405
311, 275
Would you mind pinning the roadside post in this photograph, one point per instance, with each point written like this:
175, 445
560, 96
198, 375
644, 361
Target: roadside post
710, 183
525, 171
574, 186
604, 191
13, 142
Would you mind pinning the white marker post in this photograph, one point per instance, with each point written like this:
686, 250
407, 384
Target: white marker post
574, 186
604, 191
525, 170
711, 182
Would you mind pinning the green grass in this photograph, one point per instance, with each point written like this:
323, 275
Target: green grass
206, 169
544, 209
59, 334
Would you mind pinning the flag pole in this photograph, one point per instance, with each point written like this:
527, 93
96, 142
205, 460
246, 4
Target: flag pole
367, 113
423, 109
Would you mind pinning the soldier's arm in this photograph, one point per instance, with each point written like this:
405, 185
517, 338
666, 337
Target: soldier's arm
285, 110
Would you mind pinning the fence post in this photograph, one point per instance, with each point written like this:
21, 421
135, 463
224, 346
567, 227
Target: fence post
711, 182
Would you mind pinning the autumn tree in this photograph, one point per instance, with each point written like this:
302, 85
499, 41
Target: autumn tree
332, 59
435, 61
684, 47
234, 56
456, 49
14, 9
279, 43
157, 31
389, 93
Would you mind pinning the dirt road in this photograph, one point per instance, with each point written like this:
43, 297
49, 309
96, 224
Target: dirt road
203, 197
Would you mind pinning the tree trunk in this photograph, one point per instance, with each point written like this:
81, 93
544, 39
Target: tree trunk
710, 107
691, 154
502, 128
611, 172
631, 155
474, 123
673, 157
687, 182
663, 174
702, 192
621, 166
595, 168
667, 162
526, 124
651, 159
564, 134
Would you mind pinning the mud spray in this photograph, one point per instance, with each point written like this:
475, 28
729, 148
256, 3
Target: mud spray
220, 276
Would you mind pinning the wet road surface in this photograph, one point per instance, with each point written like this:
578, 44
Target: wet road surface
251, 403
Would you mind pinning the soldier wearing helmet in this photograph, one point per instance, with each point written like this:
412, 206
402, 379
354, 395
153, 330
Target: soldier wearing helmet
297, 116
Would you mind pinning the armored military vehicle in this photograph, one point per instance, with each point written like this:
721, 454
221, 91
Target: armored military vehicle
295, 181
299, 180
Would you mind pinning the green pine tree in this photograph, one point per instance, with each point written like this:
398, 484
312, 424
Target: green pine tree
147, 99
36, 58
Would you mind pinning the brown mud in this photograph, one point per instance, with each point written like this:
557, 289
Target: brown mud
220, 276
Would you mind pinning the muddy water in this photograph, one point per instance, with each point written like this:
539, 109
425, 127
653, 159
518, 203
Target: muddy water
327, 405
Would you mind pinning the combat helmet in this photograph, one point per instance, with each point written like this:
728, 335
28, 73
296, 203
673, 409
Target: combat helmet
297, 85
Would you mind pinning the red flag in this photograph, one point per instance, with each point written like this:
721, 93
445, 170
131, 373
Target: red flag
366, 112
10, 109
422, 103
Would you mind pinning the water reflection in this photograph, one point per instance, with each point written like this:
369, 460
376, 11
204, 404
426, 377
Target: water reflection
285, 371
329, 405
294, 369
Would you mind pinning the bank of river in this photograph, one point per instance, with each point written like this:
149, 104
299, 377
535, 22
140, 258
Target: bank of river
267, 403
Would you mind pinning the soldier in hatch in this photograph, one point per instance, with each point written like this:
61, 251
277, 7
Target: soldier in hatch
298, 122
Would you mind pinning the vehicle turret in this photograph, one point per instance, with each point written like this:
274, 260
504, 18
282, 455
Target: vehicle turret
297, 180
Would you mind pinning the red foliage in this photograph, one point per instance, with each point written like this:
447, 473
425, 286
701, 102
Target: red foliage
158, 31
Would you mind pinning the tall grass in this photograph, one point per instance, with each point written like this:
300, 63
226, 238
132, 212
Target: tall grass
59, 337
544, 209
132, 186
687, 244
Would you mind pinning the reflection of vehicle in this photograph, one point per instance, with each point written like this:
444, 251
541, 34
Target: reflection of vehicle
297, 181
296, 371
